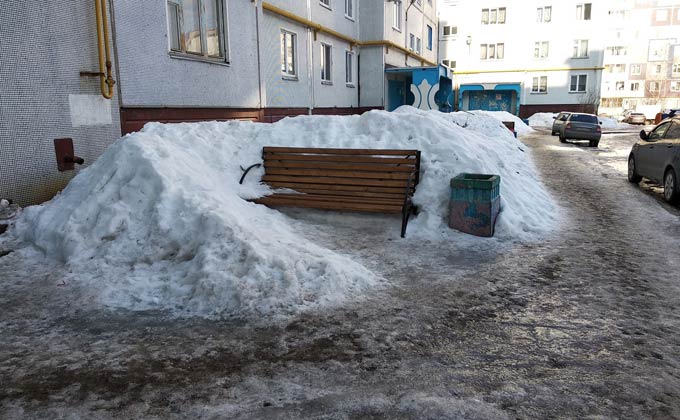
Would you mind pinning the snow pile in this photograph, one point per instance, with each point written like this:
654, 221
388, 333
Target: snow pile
520, 127
159, 220
610, 123
542, 119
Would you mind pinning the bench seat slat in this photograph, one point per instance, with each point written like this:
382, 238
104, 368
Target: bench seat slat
368, 195
339, 158
336, 181
338, 166
338, 174
300, 186
349, 199
330, 151
330, 205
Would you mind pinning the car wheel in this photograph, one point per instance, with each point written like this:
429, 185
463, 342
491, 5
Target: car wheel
562, 138
632, 171
593, 143
670, 187
552, 133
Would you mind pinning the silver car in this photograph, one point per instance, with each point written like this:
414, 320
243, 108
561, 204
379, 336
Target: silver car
657, 158
559, 122
579, 126
635, 118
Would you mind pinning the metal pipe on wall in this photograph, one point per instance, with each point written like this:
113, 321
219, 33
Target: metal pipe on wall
106, 81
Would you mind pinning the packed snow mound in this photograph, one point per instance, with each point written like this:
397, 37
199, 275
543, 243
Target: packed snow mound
542, 119
520, 127
159, 221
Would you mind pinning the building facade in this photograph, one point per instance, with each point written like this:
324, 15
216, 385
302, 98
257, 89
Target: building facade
194, 60
642, 57
523, 57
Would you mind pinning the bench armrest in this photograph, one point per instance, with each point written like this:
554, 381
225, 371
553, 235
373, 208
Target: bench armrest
245, 171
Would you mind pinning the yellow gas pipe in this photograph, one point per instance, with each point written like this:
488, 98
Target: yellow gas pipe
105, 79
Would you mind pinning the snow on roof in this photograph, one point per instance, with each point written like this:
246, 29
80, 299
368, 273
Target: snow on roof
159, 221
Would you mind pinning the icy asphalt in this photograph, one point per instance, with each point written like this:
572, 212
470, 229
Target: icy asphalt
585, 324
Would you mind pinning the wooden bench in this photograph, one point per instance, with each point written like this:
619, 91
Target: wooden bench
363, 180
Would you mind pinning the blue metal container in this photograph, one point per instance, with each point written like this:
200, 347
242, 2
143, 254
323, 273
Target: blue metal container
475, 203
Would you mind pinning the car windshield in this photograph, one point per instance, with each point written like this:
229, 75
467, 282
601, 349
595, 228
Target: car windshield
584, 118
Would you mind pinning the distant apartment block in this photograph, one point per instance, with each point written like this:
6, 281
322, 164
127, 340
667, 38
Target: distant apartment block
523, 57
642, 57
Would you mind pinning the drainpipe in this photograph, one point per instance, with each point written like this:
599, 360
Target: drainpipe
310, 59
259, 60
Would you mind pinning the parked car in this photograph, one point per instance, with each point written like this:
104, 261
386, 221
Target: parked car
635, 118
559, 121
579, 126
657, 158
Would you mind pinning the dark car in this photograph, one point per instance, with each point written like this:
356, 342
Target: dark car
559, 122
657, 158
579, 126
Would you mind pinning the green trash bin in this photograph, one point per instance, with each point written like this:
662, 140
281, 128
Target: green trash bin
475, 203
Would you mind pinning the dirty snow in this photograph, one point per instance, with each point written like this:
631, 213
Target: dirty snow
159, 220
520, 127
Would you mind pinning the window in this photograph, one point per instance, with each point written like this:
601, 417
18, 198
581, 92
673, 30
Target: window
349, 68
429, 37
617, 50
620, 85
419, 45
412, 42
539, 84
619, 68
450, 30
325, 3
544, 14
288, 53
635, 69
675, 85
578, 83
326, 63
580, 48
656, 69
449, 63
541, 49
491, 51
197, 27
676, 70
493, 16
349, 9
583, 11
653, 86
635, 86
396, 17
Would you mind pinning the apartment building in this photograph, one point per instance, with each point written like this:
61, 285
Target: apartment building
524, 57
642, 57
194, 60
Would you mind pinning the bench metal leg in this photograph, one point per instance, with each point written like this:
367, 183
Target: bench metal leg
406, 212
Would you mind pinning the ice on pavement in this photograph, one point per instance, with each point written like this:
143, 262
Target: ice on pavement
159, 221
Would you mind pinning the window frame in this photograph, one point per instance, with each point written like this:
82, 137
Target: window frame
487, 14
675, 70
581, 10
494, 46
541, 14
349, 15
635, 66
634, 86
326, 4
326, 71
396, 16
577, 53
419, 45
223, 36
285, 74
674, 86
538, 50
349, 68
430, 37
539, 85
578, 78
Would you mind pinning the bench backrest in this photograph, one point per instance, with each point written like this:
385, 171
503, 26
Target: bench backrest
376, 173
